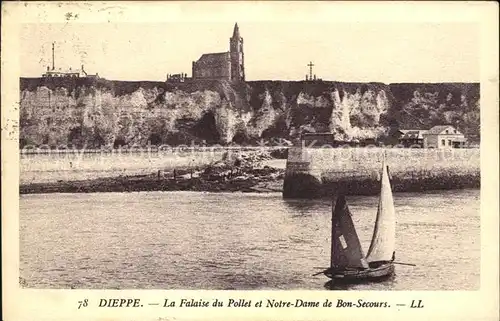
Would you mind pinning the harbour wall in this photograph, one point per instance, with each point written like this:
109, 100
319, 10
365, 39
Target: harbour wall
322, 172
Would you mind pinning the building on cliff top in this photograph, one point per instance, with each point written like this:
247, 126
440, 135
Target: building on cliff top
71, 73
227, 65
182, 77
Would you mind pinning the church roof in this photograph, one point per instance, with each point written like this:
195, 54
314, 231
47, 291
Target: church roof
210, 58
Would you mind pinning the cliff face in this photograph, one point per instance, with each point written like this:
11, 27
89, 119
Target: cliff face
96, 113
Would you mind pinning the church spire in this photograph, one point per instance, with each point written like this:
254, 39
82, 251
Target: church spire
237, 56
236, 31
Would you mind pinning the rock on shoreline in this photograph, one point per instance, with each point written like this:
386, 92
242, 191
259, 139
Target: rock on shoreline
241, 172
245, 172
257, 182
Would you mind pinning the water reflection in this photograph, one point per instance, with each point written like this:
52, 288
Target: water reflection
306, 207
216, 241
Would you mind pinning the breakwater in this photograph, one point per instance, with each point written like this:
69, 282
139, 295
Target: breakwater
321, 172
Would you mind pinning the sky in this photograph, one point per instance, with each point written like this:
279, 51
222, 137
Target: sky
275, 49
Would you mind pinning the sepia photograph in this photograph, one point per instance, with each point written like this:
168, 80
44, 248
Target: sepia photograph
196, 169
216, 177
249, 150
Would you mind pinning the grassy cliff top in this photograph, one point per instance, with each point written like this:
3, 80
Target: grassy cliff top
120, 87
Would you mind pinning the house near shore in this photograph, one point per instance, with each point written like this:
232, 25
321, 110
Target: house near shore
442, 136
411, 137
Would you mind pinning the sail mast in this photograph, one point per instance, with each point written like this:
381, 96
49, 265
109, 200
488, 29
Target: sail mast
383, 242
333, 237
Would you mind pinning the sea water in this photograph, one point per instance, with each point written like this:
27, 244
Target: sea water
244, 241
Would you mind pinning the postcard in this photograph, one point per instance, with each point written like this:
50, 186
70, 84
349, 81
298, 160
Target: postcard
250, 160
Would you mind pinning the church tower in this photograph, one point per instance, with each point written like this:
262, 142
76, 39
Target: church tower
237, 56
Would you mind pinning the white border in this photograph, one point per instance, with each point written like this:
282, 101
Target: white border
23, 304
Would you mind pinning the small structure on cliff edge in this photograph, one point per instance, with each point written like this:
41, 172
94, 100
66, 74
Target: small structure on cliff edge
177, 77
311, 77
227, 65
71, 73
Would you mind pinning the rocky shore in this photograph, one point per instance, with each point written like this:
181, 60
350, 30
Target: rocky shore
243, 172
263, 171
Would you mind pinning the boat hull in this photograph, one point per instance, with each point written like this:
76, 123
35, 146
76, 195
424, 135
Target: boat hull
370, 274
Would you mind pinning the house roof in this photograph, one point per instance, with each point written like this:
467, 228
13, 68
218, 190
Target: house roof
436, 130
413, 134
404, 131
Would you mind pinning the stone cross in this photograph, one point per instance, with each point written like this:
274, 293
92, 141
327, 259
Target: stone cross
310, 69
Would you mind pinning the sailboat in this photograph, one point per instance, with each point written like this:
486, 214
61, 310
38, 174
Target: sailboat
348, 261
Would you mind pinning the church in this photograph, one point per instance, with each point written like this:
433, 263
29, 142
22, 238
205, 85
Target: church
227, 65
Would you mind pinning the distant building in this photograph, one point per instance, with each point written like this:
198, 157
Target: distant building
224, 65
177, 77
444, 136
70, 73
412, 137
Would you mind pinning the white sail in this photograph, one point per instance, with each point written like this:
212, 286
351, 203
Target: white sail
383, 242
346, 248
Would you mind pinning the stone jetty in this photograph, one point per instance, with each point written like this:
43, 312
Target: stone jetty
322, 172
